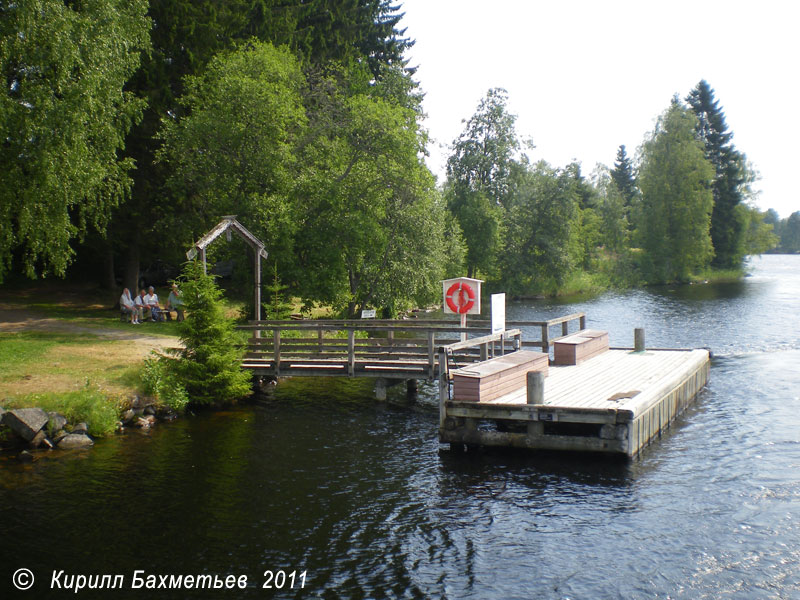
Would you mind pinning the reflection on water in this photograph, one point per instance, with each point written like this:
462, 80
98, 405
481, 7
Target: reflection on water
358, 493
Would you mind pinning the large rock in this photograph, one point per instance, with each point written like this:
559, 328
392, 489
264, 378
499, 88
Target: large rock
81, 428
39, 439
75, 440
2, 414
128, 417
55, 423
26, 422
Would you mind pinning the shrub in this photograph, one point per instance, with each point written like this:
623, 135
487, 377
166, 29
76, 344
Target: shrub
160, 381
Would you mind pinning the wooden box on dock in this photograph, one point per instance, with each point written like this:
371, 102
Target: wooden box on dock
497, 377
580, 346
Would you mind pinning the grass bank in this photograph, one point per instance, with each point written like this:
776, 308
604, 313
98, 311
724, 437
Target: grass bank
64, 348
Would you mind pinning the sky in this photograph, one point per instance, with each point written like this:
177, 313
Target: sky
585, 76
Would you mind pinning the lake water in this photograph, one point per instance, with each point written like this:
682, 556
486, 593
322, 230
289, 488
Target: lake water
358, 494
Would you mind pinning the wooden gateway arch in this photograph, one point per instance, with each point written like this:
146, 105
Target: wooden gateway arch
230, 225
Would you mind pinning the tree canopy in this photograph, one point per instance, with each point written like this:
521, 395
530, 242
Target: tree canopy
479, 178
728, 224
309, 159
675, 180
64, 116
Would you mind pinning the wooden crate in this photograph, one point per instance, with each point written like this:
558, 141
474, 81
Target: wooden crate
580, 346
497, 377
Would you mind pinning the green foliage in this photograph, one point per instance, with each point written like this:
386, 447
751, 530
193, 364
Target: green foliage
208, 365
543, 245
790, 233
612, 210
276, 307
624, 178
675, 180
88, 405
759, 235
161, 382
234, 154
365, 185
728, 223
64, 115
479, 174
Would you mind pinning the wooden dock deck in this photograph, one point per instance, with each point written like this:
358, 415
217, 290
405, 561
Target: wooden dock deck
613, 401
616, 402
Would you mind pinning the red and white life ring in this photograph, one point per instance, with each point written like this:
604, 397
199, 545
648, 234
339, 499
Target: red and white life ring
460, 298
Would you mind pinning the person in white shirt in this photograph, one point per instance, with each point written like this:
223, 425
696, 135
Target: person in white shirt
141, 304
151, 300
127, 306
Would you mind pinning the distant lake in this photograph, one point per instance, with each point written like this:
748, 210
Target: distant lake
357, 493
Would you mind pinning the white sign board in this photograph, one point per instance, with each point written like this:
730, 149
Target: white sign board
368, 313
498, 313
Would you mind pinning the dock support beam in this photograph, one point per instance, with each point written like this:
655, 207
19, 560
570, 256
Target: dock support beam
380, 388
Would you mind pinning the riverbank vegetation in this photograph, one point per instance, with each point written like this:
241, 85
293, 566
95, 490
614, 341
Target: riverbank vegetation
304, 120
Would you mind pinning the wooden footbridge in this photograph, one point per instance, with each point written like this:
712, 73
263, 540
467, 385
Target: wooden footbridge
389, 349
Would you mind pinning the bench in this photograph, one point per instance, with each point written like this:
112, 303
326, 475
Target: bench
497, 377
578, 347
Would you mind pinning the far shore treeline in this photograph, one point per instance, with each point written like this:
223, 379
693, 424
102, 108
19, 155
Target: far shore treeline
127, 128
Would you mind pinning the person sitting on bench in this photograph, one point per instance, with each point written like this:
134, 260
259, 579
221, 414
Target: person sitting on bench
128, 307
141, 304
151, 300
175, 302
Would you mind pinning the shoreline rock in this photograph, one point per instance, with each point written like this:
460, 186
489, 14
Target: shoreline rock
29, 431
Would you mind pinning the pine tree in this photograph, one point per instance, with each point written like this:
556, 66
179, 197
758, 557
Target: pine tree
209, 364
728, 227
276, 306
622, 175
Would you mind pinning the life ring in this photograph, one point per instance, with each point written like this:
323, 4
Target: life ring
460, 298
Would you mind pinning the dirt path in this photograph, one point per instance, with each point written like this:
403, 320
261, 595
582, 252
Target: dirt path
20, 319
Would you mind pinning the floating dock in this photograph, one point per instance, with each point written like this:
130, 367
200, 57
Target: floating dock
614, 402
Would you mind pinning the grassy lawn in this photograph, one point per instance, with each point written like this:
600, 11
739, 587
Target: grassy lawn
51, 362
64, 348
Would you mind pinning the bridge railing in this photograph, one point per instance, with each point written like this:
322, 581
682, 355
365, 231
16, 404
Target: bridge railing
384, 348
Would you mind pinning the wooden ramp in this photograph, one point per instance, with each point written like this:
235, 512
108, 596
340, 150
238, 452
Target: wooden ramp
615, 402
